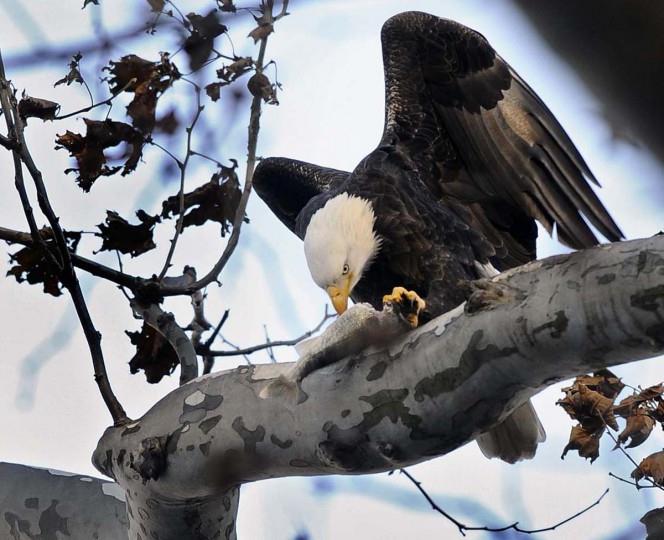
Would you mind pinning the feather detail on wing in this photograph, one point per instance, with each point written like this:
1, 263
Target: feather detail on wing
479, 136
287, 185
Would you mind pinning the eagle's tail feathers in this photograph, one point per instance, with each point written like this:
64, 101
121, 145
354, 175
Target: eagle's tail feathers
516, 438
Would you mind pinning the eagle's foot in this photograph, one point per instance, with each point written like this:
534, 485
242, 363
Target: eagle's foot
406, 303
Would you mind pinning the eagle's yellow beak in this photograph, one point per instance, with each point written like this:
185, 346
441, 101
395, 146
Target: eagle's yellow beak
339, 294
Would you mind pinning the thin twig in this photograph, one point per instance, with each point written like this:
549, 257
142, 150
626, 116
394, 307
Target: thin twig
513, 526
92, 267
268, 344
183, 172
631, 459
254, 127
633, 483
68, 274
107, 101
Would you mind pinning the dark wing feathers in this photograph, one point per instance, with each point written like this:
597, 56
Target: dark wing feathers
475, 132
287, 185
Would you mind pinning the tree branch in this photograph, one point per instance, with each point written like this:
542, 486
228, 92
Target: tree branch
254, 128
513, 526
421, 396
204, 350
68, 274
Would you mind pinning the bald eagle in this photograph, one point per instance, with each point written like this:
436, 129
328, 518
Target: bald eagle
469, 160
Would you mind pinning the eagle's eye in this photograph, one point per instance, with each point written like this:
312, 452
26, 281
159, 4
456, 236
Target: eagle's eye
345, 270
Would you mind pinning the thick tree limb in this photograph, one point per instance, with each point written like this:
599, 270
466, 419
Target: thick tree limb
40, 503
425, 395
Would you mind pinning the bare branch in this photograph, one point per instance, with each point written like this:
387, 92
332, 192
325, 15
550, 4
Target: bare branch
269, 344
513, 526
254, 128
183, 171
68, 276
165, 324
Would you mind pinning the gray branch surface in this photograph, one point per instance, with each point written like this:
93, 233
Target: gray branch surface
424, 395
43, 504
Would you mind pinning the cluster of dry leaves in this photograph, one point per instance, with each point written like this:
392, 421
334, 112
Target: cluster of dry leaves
591, 400
112, 146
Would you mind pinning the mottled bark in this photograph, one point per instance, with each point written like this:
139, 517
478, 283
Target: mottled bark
42, 504
426, 394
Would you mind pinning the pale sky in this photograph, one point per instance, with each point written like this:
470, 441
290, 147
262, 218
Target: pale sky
331, 113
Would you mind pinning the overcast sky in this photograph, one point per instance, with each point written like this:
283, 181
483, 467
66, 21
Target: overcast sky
330, 113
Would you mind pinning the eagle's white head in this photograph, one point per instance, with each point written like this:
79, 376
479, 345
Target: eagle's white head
339, 244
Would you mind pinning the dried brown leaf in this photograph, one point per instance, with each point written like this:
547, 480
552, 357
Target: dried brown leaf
31, 107
654, 522
32, 264
74, 74
215, 200
652, 467
638, 428
157, 5
213, 90
200, 42
603, 381
118, 233
89, 149
587, 443
261, 31
651, 397
147, 81
588, 406
154, 354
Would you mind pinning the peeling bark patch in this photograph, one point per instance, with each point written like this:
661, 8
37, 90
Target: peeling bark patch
190, 447
388, 404
575, 286
196, 406
649, 299
250, 438
32, 503
473, 357
50, 524
605, 279
557, 326
281, 444
377, 371
345, 413
205, 448
206, 425
648, 261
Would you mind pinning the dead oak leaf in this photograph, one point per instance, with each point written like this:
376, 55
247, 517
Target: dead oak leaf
154, 354
216, 200
33, 265
118, 234
261, 31
652, 467
638, 428
74, 74
588, 406
31, 107
650, 396
147, 80
585, 442
89, 149
602, 381
654, 522
200, 42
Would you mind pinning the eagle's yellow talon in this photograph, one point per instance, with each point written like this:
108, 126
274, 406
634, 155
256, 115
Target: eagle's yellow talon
399, 296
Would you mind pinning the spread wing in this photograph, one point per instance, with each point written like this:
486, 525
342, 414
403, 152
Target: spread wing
480, 138
287, 185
